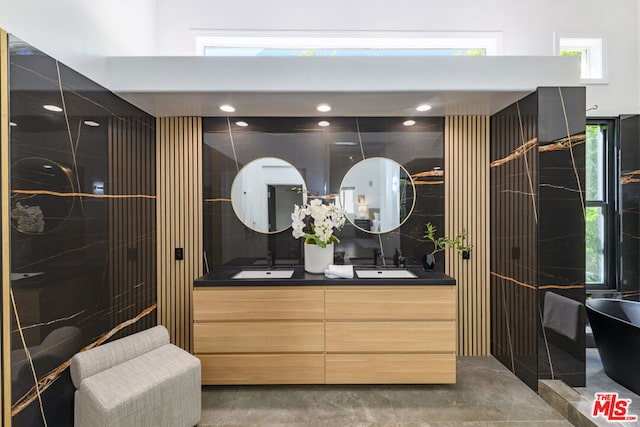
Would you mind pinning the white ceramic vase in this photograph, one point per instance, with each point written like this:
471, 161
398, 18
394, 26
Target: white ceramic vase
316, 258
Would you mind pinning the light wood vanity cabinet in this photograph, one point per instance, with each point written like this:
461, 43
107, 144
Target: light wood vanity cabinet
390, 334
330, 334
259, 335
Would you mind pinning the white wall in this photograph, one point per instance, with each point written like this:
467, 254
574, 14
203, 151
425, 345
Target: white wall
81, 33
527, 28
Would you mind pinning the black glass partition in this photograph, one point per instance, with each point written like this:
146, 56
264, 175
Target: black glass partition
82, 224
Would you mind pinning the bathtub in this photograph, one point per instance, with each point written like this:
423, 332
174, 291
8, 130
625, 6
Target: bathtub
616, 330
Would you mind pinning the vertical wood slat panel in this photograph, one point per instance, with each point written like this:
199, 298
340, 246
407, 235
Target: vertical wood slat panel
467, 207
178, 241
160, 279
475, 225
179, 222
485, 244
172, 213
182, 136
198, 268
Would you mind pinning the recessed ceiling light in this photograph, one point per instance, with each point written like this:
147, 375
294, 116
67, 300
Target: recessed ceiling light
227, 108
242, 124
345, 143
13, 124
47, 166
53, 108
91, 123
423, 107
324, 108
409, 122
323, 123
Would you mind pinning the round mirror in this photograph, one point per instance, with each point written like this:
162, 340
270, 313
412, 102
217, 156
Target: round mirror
377, 194
264, 192
38, 205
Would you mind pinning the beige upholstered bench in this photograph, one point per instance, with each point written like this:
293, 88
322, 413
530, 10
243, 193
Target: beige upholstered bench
138, 380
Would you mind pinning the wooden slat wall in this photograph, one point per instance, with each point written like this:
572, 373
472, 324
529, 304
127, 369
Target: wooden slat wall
132, 221
5, 269
467, 207
179, 221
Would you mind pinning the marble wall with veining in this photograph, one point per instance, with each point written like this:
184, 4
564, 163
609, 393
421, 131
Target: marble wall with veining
83, 226
630, 204
537, 228
323, 155
561, 233
514, 243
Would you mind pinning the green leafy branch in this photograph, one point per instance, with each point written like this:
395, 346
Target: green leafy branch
442, 243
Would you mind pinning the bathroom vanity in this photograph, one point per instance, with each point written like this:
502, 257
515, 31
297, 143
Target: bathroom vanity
308, 329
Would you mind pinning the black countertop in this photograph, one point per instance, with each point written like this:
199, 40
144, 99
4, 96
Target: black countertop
221, 276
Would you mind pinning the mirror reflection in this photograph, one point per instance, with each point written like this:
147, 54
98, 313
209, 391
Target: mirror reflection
35, 206
377, 194
264, 192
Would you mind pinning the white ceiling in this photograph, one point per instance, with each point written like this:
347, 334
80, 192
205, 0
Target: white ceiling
370, 86
302, 104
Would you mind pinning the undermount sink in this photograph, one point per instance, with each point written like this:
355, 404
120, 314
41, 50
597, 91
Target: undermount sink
385, 274
263, 274
18, 276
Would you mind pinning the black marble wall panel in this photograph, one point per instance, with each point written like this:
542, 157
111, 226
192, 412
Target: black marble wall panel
537, 228
537, 235
630, 204
323, 156
514, 182
561, 230
83, 224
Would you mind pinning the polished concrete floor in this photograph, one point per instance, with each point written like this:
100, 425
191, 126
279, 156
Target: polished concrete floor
486, 394
599, 382
576, 404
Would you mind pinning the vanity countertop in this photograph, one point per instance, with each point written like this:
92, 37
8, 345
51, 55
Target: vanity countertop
222, 276
53, 275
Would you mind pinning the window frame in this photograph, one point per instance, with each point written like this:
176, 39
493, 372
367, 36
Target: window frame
489, 41
596, 47
610, 206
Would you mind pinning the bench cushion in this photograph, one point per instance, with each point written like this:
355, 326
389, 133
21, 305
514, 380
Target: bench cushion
157, 388
90, 362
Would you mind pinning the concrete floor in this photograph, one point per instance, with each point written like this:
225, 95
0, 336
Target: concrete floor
576, 404
598, 382
486, 394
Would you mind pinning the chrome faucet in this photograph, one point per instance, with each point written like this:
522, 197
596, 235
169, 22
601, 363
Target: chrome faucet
270, 259
377, 257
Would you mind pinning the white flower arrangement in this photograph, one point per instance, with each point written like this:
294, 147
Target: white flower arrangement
316, 222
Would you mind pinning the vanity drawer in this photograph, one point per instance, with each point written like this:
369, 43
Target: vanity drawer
385, 337
391, 369
268, 303
262, 368
258, 337
391, 303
